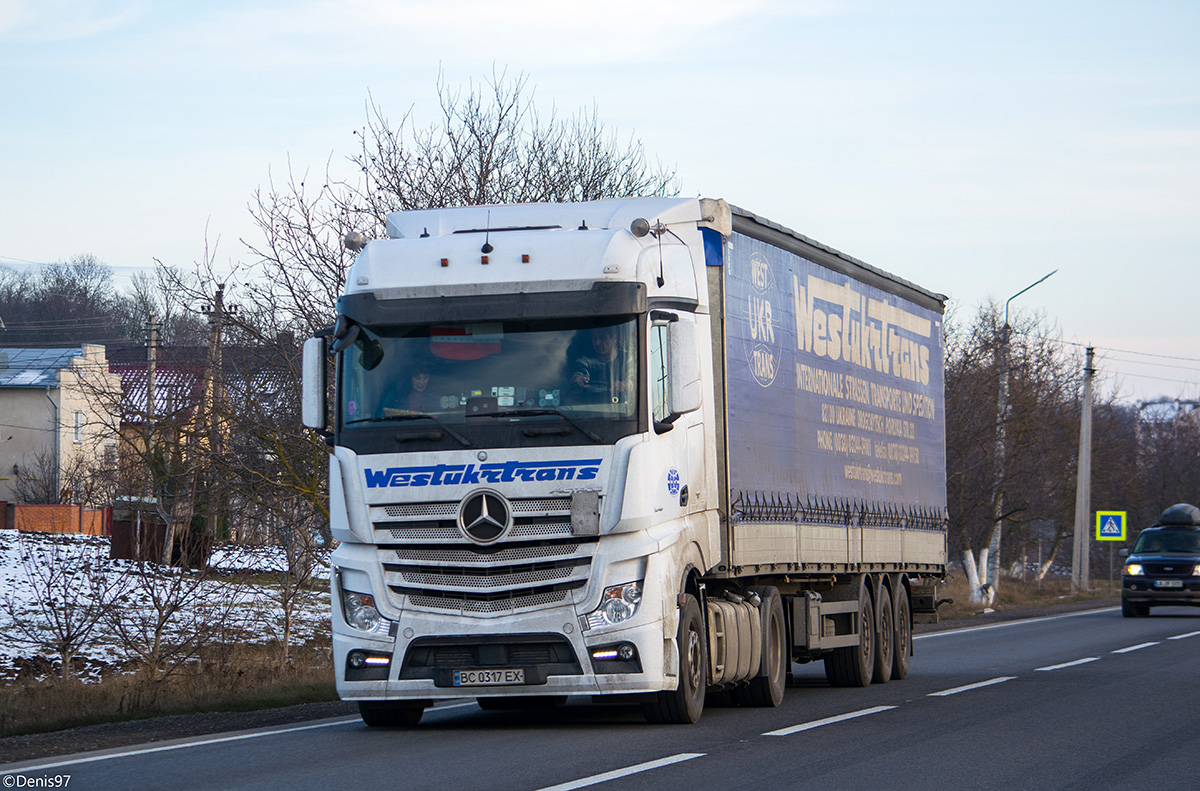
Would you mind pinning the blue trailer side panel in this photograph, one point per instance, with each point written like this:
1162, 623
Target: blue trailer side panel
835, 387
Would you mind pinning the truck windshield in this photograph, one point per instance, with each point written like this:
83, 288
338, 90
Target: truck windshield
580, 368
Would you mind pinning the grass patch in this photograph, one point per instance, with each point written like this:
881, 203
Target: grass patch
1018, 594
247, 678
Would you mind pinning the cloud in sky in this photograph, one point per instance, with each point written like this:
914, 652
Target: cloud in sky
968, 147
62, 20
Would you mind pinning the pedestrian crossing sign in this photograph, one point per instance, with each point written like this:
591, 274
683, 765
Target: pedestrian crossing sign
1110, 525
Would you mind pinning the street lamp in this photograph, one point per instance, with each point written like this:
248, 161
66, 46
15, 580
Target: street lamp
993, 570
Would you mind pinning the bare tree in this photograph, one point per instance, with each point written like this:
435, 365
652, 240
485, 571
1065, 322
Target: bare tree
490, 145
170, 615
1037, 472
71, 597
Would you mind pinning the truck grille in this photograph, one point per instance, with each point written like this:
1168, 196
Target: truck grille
428, 564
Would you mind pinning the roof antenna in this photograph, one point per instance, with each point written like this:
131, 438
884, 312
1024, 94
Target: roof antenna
487, 247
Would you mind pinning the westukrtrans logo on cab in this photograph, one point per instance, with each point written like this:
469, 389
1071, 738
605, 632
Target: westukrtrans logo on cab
497, 472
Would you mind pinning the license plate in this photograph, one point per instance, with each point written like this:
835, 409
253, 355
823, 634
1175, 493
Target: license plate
483, 678
1168, 583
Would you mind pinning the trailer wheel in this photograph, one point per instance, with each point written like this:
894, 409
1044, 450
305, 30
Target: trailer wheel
853, 666
766, 689
391, 714
885, 638
684, 704
903, 647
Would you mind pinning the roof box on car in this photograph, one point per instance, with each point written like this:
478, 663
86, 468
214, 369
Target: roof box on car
1180, 515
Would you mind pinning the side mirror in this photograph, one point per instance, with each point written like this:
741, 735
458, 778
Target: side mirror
685, 394
312, 400
1124, 552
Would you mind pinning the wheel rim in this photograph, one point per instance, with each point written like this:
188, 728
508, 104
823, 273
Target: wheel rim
693, 658
776, 649
885, 632
867, 631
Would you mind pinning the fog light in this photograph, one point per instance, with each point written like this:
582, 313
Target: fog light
625, 651
357, 659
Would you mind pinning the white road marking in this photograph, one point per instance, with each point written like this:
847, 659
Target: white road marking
1137, 647
583, 782
969, 687
827, 721
162, 748
1183, 636
1083, 661
198, 742
1005, 624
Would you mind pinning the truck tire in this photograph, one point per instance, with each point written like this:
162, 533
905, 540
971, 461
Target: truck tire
684, 704
903, 643
855, 665
391, 714
885, 637
766, 689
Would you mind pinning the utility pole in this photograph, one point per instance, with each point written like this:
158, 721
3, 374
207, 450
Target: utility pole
216, 317
151, 373
1081, 547
992, 570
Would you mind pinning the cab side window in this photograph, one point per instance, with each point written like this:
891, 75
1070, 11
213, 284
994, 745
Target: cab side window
658, 372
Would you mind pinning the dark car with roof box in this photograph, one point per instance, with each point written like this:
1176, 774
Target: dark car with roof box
1163, 568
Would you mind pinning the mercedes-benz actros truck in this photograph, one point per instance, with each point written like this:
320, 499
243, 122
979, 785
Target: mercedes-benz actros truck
656, 448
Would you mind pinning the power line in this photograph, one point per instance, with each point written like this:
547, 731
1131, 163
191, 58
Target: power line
1110, 349
1159, 365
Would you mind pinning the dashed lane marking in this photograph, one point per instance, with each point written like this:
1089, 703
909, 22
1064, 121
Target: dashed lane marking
1077, 662
827, 721
1137, 647
970, 687
584, 782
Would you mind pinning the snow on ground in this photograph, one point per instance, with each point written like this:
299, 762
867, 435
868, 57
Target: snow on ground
42, 576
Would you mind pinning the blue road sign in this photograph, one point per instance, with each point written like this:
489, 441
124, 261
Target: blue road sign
1110, 525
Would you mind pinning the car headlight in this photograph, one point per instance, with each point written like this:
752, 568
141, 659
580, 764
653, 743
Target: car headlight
1134, 570
618, 603
360, 612
1196, 571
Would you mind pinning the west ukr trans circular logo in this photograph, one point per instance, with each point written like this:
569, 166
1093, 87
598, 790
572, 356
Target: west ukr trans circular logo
764, 340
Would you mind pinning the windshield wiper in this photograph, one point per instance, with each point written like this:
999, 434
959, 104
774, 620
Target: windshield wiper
593, 436
415, 416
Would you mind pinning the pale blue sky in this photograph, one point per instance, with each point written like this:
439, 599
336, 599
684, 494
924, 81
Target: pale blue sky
969, 147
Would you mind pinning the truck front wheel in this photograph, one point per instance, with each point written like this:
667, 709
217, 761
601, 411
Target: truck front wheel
684, 704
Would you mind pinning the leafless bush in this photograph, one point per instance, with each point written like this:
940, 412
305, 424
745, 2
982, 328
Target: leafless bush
72, 595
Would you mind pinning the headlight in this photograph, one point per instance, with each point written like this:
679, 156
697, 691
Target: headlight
1134, 570
1196, 571
360, 612
617, 604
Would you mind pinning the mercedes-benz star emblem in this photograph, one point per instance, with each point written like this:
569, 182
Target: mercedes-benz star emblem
484, 516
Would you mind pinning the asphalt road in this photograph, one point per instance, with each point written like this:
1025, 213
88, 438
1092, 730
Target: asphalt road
1086, 700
